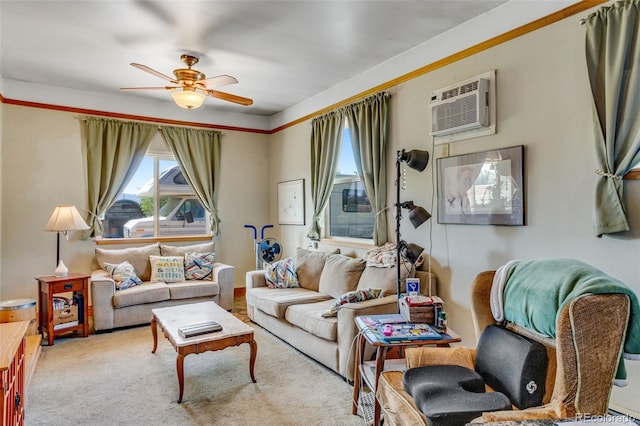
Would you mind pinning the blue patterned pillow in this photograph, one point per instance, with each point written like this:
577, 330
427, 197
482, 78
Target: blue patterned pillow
282, 274
352, 297
198, 266
123, 274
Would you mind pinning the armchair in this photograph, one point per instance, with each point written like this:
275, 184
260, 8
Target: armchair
582, 360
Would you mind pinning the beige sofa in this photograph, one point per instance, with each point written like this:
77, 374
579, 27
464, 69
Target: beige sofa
132, 306
295, 314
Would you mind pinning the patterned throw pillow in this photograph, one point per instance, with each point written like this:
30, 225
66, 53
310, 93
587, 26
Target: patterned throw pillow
167, 269
198, 266
123, 274
282, 274
352, 297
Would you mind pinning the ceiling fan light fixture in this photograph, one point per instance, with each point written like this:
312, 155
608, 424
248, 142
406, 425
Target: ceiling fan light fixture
188, 99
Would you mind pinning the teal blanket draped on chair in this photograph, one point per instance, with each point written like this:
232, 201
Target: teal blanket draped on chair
536, 290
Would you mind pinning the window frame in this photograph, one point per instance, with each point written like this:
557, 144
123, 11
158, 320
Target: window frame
326, 231
159, 151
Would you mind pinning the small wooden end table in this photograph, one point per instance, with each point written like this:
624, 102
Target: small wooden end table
370, 371
50, 285
234, 333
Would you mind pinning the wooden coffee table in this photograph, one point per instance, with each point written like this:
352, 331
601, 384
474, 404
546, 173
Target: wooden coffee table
234, 333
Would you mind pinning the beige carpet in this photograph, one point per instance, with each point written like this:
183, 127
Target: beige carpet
114, 379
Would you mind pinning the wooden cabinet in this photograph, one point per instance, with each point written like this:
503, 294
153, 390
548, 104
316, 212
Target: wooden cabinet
12, 364
50, 285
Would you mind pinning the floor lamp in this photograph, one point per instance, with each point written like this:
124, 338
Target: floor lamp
62, 220
410, 252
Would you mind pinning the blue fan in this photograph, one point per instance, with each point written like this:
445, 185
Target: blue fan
270, 250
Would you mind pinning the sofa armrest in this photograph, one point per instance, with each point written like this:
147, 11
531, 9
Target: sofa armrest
255, 279
224, 275
103, 288
347, 328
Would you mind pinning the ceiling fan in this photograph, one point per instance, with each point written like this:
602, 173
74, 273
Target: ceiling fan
194, 85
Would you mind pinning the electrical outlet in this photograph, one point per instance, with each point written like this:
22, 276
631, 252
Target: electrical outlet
444, 150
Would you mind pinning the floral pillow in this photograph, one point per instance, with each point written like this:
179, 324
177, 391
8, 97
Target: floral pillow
167, 269
352, 297
123, 274
282, 274
198, 266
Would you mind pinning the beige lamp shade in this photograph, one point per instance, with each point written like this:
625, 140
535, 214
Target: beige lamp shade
188, 99
66, 218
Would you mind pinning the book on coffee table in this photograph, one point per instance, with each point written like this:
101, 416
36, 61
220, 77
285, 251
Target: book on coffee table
198, 329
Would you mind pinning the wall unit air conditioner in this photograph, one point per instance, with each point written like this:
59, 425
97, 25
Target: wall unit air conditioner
461, 107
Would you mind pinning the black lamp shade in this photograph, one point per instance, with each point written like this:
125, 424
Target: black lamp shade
415, 159
410, 252
417, 215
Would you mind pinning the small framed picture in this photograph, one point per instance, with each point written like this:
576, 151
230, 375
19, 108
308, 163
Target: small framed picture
291, 202
483, 188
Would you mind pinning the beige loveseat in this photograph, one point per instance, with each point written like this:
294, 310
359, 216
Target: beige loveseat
114, 308
295, 314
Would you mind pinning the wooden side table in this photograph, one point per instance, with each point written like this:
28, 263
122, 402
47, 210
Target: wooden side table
51, 285
369, 371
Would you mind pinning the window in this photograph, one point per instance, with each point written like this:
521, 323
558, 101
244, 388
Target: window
350, 213
158, 185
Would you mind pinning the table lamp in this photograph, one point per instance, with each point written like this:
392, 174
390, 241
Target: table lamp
62, 220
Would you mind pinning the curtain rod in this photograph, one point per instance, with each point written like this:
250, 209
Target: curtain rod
84, 118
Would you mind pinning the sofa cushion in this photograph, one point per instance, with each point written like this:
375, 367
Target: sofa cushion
309, 266
137, 256
340, 275
352, 297
383, 278
146, 292
199, 266
167, 269
167, 250
275, 301
193, 288
282, 274
308, 316
123, 274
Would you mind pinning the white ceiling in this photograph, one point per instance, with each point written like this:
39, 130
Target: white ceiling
284, 53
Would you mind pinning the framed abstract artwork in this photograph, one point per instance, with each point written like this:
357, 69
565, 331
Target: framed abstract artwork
291, 202
483, 188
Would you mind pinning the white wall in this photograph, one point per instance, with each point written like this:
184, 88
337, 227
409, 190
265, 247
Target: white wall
43, 166
543, 104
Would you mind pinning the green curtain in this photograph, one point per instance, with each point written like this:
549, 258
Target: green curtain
613, 53
197, 152
325, 152
368, 126
115, 149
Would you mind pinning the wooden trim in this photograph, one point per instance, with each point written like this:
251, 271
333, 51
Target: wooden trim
633, 174
130, 116
346, 243
485, 45
114, 241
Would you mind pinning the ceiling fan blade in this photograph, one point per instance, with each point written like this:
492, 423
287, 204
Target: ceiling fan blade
217, 81
229, 97
154, 72
131, 89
